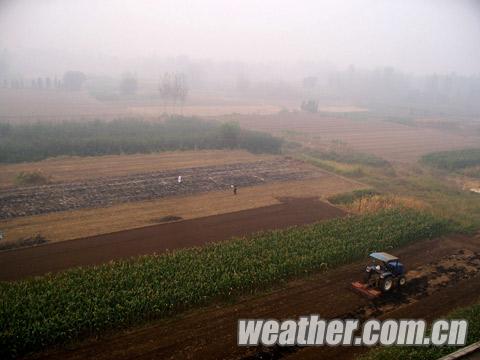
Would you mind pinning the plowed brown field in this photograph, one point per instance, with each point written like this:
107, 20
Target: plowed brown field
71, 224
20, 263
210, 333
392, 141
102, 192
75, 168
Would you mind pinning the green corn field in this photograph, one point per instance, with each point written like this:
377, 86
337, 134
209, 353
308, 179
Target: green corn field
53, 309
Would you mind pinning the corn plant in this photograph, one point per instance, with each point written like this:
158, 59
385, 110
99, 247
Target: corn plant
55, 308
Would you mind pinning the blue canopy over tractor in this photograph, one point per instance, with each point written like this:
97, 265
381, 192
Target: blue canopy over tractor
382, 256
381, 278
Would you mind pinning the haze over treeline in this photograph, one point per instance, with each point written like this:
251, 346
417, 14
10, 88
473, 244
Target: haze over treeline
429, 36
370, 50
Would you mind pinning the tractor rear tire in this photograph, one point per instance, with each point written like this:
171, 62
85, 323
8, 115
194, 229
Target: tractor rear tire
386, 284
366, 278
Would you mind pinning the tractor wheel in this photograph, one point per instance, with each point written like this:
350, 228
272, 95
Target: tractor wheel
402, 281
386, 284
366, 277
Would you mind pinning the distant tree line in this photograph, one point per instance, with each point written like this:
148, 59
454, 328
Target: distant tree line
40, 140
454, 159
71, 81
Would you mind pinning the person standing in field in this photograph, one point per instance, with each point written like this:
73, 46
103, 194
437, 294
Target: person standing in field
234, 187
179, 180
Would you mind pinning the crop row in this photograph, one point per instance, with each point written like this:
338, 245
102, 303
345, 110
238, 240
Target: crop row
107, 191
38, 312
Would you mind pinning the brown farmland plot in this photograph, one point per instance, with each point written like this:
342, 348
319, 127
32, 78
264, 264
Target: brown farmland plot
388, 140
70, 224
68, 169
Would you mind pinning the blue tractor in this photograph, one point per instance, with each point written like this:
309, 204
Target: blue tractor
385, 273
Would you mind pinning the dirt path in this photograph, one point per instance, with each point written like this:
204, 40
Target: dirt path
210, 333
17, 264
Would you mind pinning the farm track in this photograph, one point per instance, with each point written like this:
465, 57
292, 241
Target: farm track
446, 275
102, 192
21, 263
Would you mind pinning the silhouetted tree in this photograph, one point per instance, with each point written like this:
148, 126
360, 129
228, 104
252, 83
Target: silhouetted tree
310, 106
165, 87
128, 85
73, 80
180, 89
173, 87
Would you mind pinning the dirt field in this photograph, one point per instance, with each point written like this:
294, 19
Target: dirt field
67, 169
205, 110
393, 141
26, 105
21, 263
389, 140
32, 105
36, 200
341, 109
444, 274
66, 225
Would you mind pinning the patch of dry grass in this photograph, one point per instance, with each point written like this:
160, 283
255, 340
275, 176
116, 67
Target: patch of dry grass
376, 203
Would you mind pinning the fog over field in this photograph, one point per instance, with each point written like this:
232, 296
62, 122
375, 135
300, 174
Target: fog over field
289, 38
405, 54
169, 167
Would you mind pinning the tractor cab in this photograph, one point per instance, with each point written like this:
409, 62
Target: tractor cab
386, 264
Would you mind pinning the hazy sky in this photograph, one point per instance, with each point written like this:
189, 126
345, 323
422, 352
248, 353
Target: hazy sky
413, 35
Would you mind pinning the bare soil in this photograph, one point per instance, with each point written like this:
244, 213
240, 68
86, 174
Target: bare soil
75, 168
210, 333
101, 192
27, 105
205, 110
73, 224
34, 104
21, 263
389, 140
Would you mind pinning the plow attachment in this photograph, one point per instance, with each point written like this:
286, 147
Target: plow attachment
364, 290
